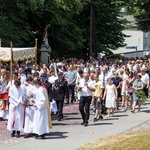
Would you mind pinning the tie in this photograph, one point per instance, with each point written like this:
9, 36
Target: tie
103, 79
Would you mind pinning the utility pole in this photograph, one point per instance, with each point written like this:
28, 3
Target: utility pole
91, 29
93, 43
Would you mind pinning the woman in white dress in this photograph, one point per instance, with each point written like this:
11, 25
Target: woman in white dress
111, 96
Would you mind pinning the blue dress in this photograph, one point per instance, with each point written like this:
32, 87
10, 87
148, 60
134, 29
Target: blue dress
137, 84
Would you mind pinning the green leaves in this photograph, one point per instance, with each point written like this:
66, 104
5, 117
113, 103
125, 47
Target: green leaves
69, 25
141, 95
140, 10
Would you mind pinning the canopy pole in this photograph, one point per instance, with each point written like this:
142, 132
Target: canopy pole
11, 62
0, 43
36, 51
0, 59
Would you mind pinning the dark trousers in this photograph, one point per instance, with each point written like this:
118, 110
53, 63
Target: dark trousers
60, 108
145, 90
84, 107
72, 89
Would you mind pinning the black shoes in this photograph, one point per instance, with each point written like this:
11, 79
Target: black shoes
18, 134
59, 118
100, 117
13, 133
40, 136
84, 123
95, 119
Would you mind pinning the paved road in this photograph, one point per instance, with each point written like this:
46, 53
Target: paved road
70, 135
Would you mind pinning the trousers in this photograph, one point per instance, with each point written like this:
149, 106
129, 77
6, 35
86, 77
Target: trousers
84, 107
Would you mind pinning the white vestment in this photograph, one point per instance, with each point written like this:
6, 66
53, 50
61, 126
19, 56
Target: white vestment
16, 110
40, 120
29, 111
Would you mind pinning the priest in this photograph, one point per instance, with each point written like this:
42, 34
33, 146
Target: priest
42, 119
17, 99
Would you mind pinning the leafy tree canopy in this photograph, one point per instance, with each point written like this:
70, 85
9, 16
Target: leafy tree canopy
69, 22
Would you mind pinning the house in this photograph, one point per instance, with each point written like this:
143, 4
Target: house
138, 42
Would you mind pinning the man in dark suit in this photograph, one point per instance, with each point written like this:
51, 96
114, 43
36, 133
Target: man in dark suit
47, 85
60, 91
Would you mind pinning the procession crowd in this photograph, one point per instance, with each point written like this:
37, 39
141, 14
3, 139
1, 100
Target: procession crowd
36, 92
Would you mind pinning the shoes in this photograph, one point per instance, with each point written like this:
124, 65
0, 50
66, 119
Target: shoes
100, 117
132, 110
59, 119
40, 136
83, 123
13, 134
36, 136
86, 124
95, 119
18, 134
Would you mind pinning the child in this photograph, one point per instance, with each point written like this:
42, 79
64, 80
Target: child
111, 96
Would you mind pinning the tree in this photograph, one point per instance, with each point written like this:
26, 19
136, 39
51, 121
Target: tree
108, 23
69, 21
140, 10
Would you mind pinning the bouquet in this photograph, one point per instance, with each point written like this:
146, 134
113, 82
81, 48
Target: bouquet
141, 95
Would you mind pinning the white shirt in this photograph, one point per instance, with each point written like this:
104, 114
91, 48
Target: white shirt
85, 90
107, 75
52, 79
145, 78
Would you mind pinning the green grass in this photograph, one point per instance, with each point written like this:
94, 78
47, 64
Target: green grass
132, 141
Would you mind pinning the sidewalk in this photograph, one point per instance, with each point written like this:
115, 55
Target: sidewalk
68, 134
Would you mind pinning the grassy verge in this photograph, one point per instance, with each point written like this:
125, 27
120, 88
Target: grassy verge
132, 141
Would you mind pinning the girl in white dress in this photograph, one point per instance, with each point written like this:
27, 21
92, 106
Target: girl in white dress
111, 96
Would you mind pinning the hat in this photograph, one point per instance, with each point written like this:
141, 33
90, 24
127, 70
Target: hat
43, 75
60, 73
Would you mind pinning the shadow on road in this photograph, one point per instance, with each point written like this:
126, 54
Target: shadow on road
56, 135
101, 123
